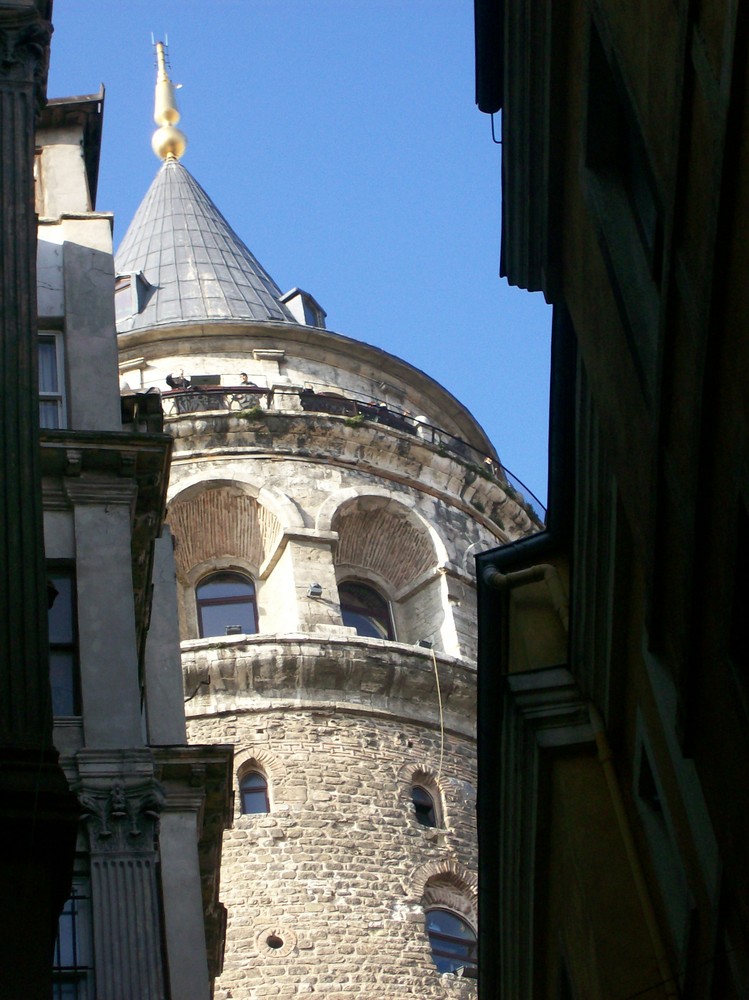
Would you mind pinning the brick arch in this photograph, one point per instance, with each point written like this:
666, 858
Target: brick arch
221, 521
448, 874
441, 893
423, 774
253, 758
420, 773
382, 535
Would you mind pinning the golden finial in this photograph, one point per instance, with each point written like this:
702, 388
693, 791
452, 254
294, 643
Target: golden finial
168, 142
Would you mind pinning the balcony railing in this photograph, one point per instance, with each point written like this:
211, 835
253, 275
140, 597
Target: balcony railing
253, 401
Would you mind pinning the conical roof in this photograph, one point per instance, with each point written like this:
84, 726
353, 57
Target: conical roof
196, 267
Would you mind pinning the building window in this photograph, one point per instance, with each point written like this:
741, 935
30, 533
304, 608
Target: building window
453, 942
365, 610
226, 605
63, 645
72, 977
51, 381
426, 813
253, 790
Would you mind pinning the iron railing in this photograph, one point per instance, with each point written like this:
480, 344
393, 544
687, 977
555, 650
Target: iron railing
252, 401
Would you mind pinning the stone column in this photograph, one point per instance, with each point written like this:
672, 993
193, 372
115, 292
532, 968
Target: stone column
183, 903
24, 706
165, 705
37, 813
106, 630
122, 802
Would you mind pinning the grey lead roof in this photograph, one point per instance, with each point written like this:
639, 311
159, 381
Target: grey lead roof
198, 267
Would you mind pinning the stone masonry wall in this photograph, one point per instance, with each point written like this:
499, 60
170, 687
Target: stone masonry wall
338, 869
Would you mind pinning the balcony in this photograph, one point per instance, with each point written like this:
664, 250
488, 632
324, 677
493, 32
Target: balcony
253, 401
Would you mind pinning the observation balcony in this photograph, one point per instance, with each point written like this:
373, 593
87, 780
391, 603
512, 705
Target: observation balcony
252, 401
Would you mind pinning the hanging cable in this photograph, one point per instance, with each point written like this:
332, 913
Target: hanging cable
442, 718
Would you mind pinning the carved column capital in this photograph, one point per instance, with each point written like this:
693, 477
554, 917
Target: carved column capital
25, 33
122, 816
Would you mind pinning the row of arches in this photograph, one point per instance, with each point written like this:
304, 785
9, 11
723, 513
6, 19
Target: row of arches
387, 560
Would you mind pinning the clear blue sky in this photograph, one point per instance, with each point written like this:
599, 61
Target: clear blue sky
341, 140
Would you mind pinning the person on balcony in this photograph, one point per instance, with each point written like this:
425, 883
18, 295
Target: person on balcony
178, 381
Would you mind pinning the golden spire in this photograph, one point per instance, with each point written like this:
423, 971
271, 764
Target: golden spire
168, 142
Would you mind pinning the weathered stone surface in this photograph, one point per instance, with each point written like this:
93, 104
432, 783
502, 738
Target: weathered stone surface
344, 464
337, 869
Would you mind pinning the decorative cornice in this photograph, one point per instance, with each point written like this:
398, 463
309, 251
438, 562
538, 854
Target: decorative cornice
102, 490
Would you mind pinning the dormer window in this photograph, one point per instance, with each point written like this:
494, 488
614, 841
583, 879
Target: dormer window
304, 308
131, 293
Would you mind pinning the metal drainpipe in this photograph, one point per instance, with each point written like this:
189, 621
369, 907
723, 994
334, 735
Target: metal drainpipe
533, 574
605, 758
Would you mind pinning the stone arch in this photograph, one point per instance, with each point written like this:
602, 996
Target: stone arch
449, 874
328, 509
385, 536
441, 893
384, 540
469, 563
277, 502
254, 758
217, 521
423, 775
266, 764
186, 489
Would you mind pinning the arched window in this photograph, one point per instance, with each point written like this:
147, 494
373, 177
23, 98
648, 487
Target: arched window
453, 942
226, 605
426, 813
253, 790
365, 610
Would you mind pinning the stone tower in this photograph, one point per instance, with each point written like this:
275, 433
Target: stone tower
326, 501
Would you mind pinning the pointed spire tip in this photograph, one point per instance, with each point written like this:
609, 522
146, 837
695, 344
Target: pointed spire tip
168, 142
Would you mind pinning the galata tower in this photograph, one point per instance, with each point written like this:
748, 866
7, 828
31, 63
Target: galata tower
326, 502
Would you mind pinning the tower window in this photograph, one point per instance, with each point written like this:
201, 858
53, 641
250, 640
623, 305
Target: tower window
426, 814
253, 790
453, 942
226, 605
365, 610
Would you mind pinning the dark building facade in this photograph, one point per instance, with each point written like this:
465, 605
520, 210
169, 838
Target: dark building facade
108, 815
613, 755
